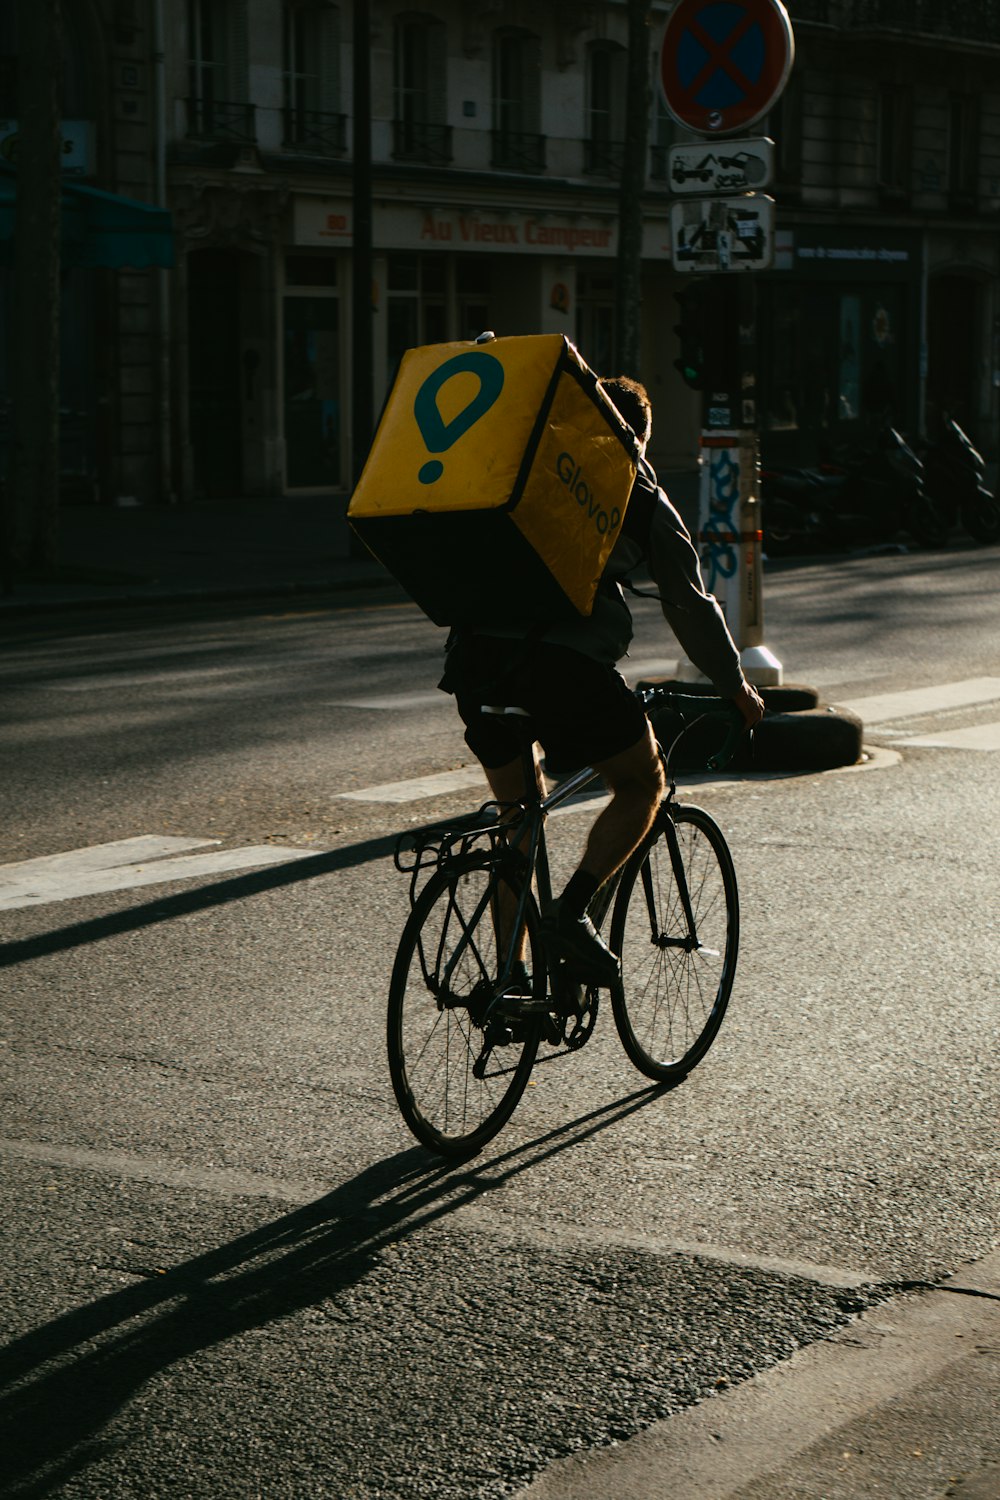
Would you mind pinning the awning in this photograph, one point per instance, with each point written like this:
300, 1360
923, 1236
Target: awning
98, 228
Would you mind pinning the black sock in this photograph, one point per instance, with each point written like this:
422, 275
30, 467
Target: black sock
579, 892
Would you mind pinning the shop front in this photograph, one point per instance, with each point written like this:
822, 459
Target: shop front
439, 274
839, 338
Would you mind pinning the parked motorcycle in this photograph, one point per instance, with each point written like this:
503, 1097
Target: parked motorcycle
954, 473
870, 495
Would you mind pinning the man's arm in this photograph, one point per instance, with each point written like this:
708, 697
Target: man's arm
692, 613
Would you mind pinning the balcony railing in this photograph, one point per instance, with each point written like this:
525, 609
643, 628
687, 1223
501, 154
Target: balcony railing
221, 120
516, 151
603, 158
966, 20
421, 140
313, 131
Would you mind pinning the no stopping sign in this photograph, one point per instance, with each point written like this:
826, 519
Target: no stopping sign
724, 63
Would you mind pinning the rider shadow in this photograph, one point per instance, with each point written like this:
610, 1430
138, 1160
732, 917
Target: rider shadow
62, 1383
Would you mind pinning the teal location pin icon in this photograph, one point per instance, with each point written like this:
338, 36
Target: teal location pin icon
439, 435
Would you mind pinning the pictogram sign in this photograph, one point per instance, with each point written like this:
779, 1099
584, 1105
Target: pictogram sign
724, 63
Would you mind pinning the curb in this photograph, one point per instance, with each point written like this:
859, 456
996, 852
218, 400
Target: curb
11, 605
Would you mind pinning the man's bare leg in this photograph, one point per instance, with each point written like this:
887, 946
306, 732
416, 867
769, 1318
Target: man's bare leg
635, 779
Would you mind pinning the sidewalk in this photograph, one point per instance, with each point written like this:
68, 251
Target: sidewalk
224, 549
901, 1404
217, 550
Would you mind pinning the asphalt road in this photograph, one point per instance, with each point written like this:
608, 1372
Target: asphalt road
226, 1269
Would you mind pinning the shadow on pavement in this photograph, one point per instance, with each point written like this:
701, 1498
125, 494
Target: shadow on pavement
65, 1381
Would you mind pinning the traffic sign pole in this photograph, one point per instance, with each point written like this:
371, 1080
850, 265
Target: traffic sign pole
722, 68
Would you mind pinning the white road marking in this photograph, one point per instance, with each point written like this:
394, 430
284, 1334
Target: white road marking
976, 737
397, 701
125, 863
925, 700
420, 786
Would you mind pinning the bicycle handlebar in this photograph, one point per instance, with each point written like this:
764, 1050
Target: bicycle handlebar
693, 708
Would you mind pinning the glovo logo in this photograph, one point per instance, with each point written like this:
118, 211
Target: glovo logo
571, 475
439, 435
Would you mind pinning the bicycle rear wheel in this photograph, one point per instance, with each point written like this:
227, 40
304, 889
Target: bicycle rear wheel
676, 929
458, 1063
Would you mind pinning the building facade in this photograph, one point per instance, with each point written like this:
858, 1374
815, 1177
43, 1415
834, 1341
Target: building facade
497, 131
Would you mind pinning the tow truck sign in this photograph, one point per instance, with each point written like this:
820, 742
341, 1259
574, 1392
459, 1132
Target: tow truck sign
721, 167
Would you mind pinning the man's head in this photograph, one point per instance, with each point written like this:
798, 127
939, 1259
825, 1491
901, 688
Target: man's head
633, 403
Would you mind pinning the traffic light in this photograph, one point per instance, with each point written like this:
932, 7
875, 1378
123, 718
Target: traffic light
708, 334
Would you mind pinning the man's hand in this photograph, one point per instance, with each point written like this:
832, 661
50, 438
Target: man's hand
750, 704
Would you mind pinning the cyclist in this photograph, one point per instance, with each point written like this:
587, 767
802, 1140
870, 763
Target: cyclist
582, 711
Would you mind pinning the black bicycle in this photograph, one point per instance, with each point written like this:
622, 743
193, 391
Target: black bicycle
472, 996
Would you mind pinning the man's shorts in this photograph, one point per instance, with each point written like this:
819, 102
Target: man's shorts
581, 710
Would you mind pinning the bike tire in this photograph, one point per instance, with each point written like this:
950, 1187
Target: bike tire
435, 1022
670, 1001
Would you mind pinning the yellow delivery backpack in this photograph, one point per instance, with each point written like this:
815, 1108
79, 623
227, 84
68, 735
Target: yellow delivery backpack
498, 480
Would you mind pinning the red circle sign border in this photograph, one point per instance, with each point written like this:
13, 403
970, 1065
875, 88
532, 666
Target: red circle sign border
779, 42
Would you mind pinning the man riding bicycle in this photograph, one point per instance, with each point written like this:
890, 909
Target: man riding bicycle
564, 675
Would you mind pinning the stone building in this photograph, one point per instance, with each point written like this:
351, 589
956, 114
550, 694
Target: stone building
497, 145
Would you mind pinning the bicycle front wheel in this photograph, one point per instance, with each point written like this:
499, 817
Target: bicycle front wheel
459, 1063
676, 929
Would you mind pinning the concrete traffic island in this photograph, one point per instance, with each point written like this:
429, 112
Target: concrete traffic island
798, 733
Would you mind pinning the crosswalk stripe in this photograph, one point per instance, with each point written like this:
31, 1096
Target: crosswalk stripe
126, 863
926, 700
976, 737
420, 786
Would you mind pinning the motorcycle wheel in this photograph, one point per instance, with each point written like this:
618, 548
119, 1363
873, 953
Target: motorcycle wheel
981, 517
928, 523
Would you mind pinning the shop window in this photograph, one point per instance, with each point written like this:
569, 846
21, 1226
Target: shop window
895, 139
311, 44
604, 144
595, 320
517, 96
963, 150
420, 129
218, 72
416, 303
311, 375
473, 295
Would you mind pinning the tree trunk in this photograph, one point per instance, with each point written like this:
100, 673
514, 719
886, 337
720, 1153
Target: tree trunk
31, 521
628, 291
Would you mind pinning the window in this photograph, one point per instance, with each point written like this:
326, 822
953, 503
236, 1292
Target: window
664, 136
312, 79
420, 131
311, 372
963, 150
785, 125
416, 304
517, 92
894, 139
595, 319
218, 71
604, 143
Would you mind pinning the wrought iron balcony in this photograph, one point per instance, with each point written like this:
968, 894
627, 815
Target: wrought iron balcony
603, 158
221, 120
420, 140
313, 131
516, 151
956, 20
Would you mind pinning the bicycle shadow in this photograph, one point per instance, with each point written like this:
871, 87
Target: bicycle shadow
61, 1394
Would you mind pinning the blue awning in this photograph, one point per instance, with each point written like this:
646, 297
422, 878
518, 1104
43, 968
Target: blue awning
98, 228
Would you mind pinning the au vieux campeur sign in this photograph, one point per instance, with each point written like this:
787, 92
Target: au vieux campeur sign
724, 63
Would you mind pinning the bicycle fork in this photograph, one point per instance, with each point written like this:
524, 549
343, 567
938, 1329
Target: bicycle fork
688, 941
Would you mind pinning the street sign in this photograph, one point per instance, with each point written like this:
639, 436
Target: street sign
723, 234
724, 63
733, 168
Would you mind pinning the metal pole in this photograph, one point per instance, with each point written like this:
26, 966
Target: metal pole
362, 327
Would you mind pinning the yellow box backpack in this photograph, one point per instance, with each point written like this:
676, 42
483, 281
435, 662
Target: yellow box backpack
497, 482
